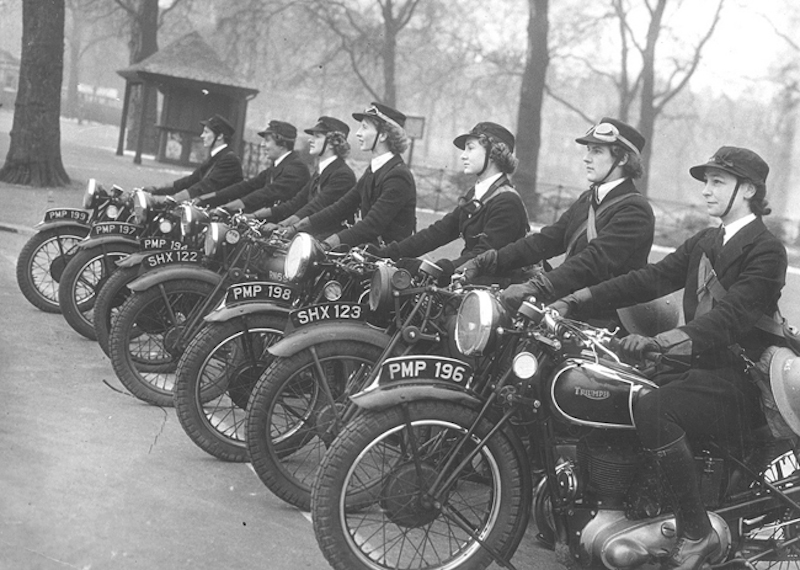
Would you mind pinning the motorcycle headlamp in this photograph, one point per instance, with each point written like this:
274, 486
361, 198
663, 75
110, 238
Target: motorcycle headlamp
112, 212
303, 250
386, 279
525, 365
141, 206
332, 291
478, 319
90, 196
165, 226
214, 235
192, 219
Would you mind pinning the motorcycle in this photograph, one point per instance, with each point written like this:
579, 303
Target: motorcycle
438, 470
173, 293
301, 401
222, 363
45, 255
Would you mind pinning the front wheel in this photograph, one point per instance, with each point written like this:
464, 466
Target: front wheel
84, 276
371, 505
215, 377
41, 263
146, 332
109, 301
291, 419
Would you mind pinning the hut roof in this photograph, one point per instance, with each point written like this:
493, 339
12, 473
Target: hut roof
190, 58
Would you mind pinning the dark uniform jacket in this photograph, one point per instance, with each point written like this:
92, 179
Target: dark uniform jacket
217, 172
386, 200
501, 220
319, 193
752, 269
269, 187
624, 237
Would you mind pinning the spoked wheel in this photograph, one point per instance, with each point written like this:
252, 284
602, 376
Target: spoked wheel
84, 276
372, 505
41, 263
772, 540
215, 377
291, 419
109, 300
146, 332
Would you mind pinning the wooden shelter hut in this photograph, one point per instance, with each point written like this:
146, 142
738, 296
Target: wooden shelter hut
195, 84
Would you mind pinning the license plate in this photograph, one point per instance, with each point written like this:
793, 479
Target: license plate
113, 228
328, 312
415, 367
259, 291
72, 214
154, 244
169, 257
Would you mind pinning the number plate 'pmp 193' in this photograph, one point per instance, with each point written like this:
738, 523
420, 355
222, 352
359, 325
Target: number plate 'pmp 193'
328, 312
114, 228
415, 367
169, 257
71, 214
259, 291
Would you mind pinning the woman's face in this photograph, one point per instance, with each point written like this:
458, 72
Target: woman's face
366, 134
474, 156
316, 143
207, 136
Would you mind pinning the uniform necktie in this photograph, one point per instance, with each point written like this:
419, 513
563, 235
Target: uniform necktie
315, 184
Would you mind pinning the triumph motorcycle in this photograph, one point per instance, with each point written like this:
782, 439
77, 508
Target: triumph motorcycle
439, 469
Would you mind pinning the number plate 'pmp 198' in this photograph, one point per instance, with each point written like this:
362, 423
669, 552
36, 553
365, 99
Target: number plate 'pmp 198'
259, 291
415, 367
328, 312
160, 258
71, 214
114, 228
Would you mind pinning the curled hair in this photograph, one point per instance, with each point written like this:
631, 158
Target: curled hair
396, 138
633, 167
500, 154
758, 203
288, 144
338, 143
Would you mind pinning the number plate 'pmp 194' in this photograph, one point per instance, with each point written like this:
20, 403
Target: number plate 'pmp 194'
259, 291
169, 257
159, 243
71, 214
415, 367
328, 312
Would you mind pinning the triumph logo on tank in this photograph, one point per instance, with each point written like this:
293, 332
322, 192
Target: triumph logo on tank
592, 394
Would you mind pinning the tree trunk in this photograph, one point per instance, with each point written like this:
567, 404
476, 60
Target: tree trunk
529, 123
143, 43
75, 43
647, 117
34, 154
389, 57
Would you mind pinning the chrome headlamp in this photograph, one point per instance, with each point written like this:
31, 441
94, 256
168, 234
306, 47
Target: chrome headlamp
141, 206
214, 236
479, 316
303, 250
90, 196
165, 226
385, 280
192, 219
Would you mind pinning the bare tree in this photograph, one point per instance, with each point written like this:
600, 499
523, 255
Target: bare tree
34, 155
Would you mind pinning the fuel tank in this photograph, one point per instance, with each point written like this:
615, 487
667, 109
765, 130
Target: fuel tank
597, 394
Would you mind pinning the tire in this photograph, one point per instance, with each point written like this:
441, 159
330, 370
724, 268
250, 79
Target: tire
84, 276
143, 332
41, 263
109, 301
290, 422
372, 458
215, 377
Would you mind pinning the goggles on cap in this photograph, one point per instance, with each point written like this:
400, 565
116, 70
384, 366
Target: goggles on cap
608, 133
375, 112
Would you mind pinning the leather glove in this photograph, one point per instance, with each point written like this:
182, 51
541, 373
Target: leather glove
567, 305
182, 196
149, 189
482, 264
289, 232
373, 249
634, 346
513, 295
269, 227
448, 268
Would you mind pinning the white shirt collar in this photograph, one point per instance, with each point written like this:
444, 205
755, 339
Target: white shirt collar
483, 186
280, 158
733, 227
379, 161
606, 187
323, 164
215, 150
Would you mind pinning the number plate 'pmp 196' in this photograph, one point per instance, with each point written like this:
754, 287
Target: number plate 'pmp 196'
71, 214
259, 291
415, 367
169, 257
114, 228
328, 312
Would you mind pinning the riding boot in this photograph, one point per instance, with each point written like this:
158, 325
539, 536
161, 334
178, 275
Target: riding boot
696, 537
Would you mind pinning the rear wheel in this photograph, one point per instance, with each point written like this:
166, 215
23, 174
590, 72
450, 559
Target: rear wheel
41, 263
84, 276
109, 301
215, 377
291, 419
146, 332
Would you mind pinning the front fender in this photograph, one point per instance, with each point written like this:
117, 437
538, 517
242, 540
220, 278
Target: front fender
171, 273
97, 241
325, 332
133, 259
227, 313
380, 397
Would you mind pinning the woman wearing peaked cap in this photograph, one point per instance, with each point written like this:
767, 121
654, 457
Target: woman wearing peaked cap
490, 215
222, 167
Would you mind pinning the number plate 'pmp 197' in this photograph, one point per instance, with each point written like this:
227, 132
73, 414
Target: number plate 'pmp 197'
114, 228
328, 312
259, 291
169, 257
415, 367
71, 214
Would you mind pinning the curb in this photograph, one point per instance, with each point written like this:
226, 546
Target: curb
16, 229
